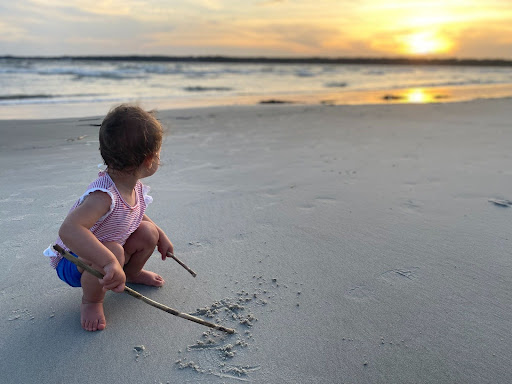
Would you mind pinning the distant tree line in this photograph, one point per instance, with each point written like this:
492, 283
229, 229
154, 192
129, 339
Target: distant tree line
279, 60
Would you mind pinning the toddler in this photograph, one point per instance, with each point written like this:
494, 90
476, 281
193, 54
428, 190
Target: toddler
107, 227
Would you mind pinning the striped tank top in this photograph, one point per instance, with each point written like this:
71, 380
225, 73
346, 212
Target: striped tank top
119, 222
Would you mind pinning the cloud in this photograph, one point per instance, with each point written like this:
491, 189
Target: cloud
283, 27
492, 42
271, 2
103, 10
12, 32
287, 38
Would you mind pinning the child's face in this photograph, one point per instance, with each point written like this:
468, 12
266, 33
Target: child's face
149, 168
156, 162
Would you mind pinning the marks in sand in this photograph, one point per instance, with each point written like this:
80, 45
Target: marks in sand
325, 199
411, 206
21, 314
400, 274
228, 356
397, 276
318, 201
140, 350
360, 293
504, 203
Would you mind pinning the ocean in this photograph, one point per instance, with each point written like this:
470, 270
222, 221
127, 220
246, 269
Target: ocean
65, 87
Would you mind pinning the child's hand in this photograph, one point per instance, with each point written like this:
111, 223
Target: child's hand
114, 278
164, 245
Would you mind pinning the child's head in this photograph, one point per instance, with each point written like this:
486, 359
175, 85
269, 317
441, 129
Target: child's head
128, 136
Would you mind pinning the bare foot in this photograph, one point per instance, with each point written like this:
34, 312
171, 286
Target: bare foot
146, 278
92, 316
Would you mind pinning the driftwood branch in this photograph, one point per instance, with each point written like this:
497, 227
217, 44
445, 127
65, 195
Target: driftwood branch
171, 255
134, 293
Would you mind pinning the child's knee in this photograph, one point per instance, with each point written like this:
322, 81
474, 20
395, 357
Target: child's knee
145, 237
117, 249
148, 234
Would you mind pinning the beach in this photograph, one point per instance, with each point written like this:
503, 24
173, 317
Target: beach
344, 244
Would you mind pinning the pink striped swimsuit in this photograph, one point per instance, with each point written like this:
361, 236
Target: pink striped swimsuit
119, 222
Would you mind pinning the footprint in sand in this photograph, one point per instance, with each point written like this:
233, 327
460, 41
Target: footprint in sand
400, 274
18, 200
240, 237
411, 206
306, 207
359, 293
326, 199
501, 202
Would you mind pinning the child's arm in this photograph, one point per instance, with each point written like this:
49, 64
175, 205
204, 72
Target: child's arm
75, 233
164, 244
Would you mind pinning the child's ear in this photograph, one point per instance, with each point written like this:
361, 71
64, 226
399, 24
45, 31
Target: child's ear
148, 161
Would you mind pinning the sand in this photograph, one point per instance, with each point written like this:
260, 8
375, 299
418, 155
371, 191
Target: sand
346, 244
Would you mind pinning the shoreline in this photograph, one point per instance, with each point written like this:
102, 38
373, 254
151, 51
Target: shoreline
415, 95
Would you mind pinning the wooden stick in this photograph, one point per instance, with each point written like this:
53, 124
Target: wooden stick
171, 255
134, 293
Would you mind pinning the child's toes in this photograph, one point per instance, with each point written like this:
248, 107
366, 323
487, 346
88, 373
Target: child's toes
92, 317
159, 280
101, 324
87, 325
147, 278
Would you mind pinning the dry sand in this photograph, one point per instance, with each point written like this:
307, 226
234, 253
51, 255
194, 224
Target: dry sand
346, 244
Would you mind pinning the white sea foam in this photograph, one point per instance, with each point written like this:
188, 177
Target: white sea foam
65, 81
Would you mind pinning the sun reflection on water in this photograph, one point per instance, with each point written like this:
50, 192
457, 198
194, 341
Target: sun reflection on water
422, 96
418, 95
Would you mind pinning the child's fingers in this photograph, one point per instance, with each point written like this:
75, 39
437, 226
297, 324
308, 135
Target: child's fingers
165, 252
106, 279
109, 282
114, 278
119, 288
106, 284
114, 286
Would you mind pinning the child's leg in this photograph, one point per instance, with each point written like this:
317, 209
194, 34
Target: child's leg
92, 316
138, 248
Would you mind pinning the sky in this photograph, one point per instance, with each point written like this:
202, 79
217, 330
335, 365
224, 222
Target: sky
480, 29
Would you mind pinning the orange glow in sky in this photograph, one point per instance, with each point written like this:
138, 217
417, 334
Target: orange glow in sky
426, 43
330, 28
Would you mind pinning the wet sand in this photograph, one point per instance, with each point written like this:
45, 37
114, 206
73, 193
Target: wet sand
337, 96
345, 244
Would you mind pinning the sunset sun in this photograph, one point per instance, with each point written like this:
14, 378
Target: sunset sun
426, 43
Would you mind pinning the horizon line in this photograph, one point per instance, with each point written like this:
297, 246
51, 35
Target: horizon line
398, 60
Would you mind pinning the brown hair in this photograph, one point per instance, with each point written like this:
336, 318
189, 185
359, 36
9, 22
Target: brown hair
128, 135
